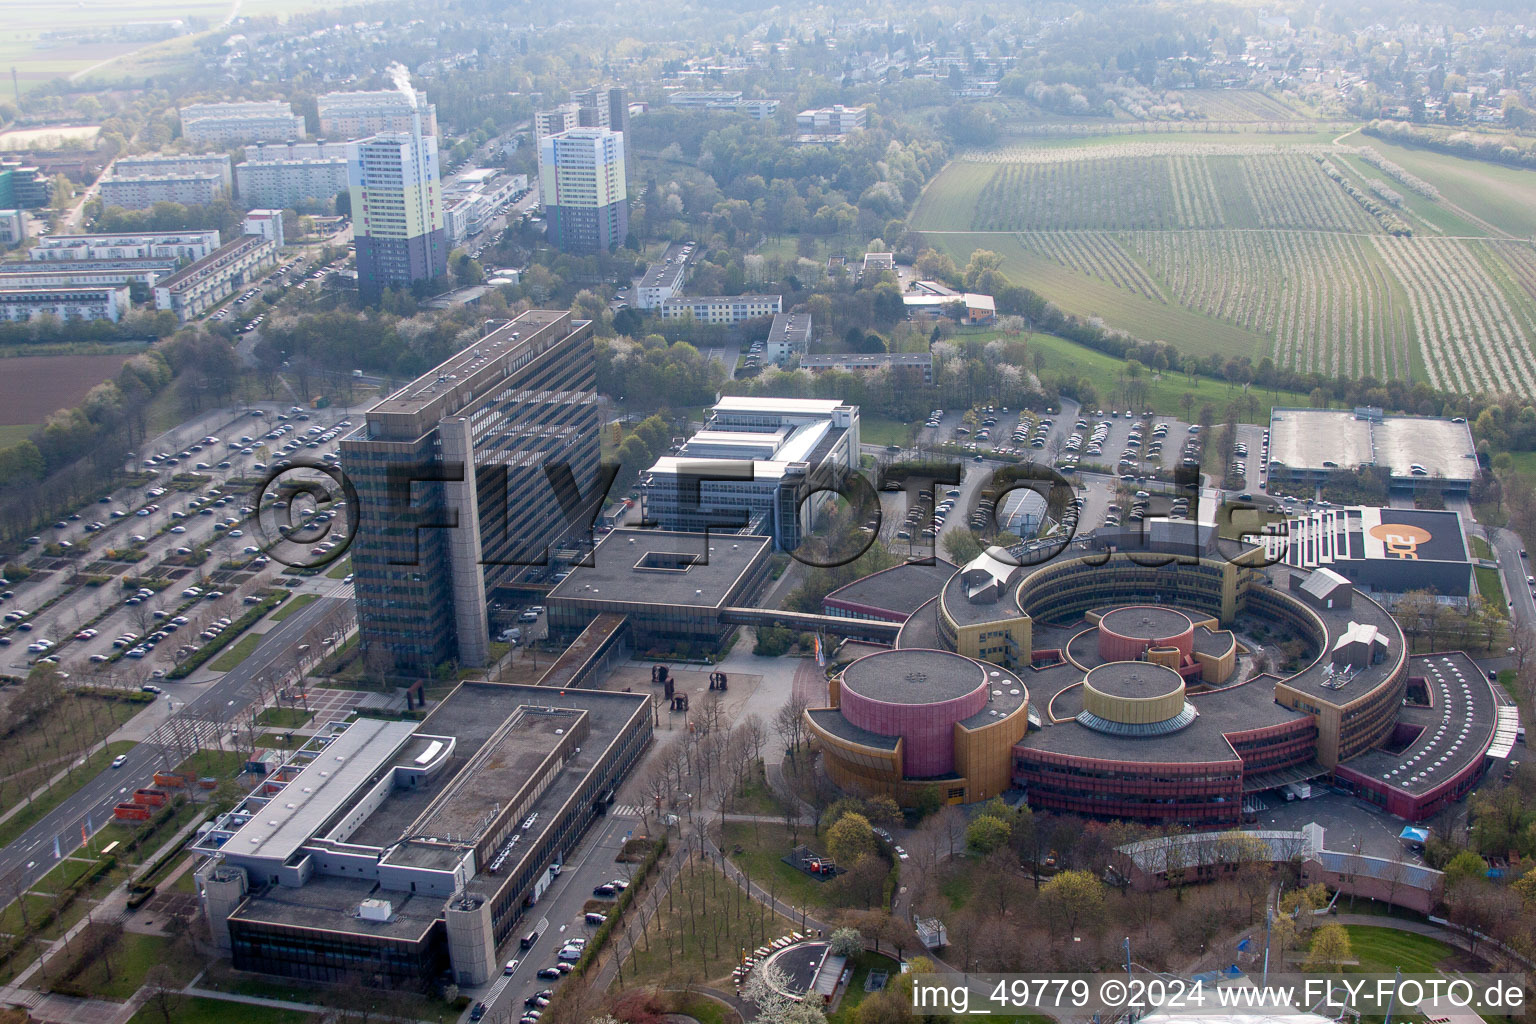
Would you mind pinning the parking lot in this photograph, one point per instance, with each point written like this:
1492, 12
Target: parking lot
184, 536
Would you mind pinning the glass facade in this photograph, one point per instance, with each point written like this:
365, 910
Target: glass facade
540, 413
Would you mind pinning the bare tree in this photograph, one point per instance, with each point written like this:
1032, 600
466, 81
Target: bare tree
789, 723
164, 995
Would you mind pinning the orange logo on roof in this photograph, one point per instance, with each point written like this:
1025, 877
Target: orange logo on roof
1401, 540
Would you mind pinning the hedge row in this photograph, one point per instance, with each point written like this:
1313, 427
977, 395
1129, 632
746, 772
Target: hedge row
600, 937
218, 643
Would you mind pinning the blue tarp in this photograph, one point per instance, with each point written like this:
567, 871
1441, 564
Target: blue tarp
1414, 834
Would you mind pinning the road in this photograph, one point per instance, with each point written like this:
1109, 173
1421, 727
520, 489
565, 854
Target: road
1512, 568
561, 906
221, 699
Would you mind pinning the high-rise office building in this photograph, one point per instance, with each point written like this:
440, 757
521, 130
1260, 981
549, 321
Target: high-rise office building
468, 444
582, 189
397, 210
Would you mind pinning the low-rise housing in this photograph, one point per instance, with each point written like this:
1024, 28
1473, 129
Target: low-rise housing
664, 278
857, 362
722, 309
108, 302
175, 245
194, 290
789, 336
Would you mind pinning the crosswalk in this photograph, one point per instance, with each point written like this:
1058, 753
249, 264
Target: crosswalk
624, 811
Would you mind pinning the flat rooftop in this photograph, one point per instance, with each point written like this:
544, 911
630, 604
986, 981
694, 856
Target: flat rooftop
1305, 439
461, 369
293, 816
500, 768
901, 589
1145, 622
1233, 709
913, 677
1455, 730
790, 329
1134, 679
653, 567
1329, 536
330, 902
786, 406
668, 271
1319, 679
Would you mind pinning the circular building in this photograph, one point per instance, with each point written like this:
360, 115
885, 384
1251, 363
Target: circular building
1134, 698
905, 719
1127, 633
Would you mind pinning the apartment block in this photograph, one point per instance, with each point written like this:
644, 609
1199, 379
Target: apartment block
108, 302
194, 290
232, 124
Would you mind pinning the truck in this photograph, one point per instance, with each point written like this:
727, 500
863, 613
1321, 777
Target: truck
1298, 791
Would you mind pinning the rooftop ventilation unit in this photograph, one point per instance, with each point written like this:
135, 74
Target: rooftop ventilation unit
375, 910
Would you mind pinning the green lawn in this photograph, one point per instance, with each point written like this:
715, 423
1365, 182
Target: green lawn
882, 430
1383, 950
119, 975
854, 994
238, 651
221, 764
292, 605
197, 1010
762, 846
1163, 393
1503, 196
30, 815
284, 718
1490, 586
1481, 548
11, 433
338, 571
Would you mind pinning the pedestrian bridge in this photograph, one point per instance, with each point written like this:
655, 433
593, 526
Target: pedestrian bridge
805, 622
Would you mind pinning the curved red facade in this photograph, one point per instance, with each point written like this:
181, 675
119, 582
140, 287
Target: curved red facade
1126, 633
927, 729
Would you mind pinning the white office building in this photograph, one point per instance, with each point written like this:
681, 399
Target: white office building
722, 309
233, 124
784, 451
834, 120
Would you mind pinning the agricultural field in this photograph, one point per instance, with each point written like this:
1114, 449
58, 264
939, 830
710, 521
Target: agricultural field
32, 42
34, 387
49, 137
1355, 259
